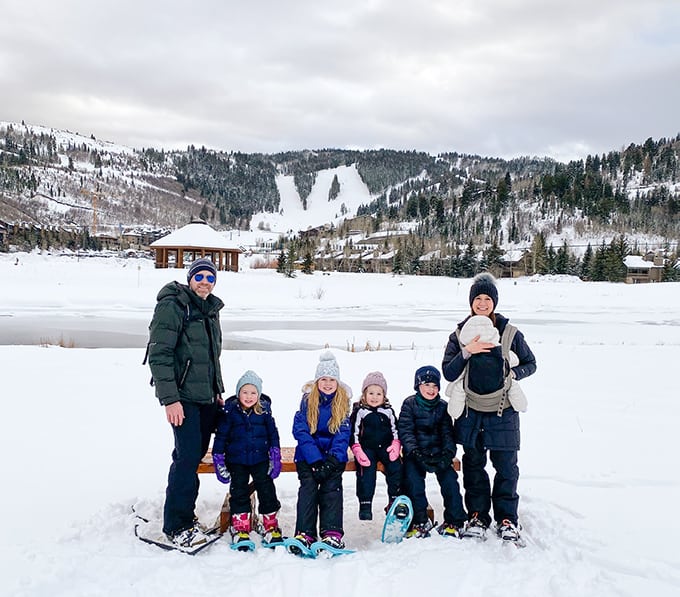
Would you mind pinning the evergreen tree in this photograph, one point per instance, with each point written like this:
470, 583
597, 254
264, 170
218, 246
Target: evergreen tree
562, 259
468, 263
599, 267
290, 261
308, 263
552, 258
539, 255
281, 265
587, 263
615, 268
492, 257
671, 270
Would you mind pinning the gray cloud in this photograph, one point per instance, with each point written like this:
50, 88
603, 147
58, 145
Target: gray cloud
495, 77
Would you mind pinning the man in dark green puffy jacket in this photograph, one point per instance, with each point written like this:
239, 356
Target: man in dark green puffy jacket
185, 342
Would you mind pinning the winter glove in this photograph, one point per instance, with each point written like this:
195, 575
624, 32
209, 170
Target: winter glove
334, 465
325, 469
432, 464
319, 471
221, 471
274, 462
394, 450
429, 463
360, 455
445, 459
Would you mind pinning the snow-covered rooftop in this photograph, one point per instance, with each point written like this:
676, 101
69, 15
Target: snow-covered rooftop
196, 234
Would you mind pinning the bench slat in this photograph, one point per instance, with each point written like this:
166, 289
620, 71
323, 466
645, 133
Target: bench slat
288, 463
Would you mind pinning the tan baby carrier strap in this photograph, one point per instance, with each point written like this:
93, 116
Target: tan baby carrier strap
498, 400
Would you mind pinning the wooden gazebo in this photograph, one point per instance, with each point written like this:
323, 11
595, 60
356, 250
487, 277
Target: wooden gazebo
193, 241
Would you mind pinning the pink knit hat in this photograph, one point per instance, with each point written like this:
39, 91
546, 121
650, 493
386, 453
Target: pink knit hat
375, 379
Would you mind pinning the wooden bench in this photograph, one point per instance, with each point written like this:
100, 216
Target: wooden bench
288, 463
287, 466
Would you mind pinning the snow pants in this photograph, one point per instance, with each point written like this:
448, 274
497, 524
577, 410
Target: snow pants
479, 496
366, 475
192, 439
414, 485
318, 501
239, 496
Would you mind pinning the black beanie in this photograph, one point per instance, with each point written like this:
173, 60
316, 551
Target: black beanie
200, 265
484, 283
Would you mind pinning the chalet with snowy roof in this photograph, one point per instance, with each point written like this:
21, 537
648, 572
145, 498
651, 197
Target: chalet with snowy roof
643, 269
193, 241
512, 264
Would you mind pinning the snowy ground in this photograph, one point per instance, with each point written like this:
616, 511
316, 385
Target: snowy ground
82, 439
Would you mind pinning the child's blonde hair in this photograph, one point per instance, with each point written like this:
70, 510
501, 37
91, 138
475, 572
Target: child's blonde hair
339, 408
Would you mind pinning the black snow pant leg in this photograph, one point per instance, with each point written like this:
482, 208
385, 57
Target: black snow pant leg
192, 439
453, 502
331, 504
476, 481
366, 477
504, 496
307, 509
414, 486
393, 476
264, 486
239, 492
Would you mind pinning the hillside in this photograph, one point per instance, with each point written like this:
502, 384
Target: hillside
58, 178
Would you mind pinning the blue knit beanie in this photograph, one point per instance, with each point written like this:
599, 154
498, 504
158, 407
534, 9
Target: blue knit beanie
427, 374
200, 265
484, 283
249, 377
327, 367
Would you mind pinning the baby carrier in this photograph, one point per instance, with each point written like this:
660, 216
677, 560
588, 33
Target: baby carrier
490, 374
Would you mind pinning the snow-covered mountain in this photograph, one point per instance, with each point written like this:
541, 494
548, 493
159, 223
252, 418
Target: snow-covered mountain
61, 178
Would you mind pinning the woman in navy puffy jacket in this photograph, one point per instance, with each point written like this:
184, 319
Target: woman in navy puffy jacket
492, 430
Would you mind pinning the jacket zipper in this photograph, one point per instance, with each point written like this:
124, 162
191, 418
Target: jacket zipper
184, 373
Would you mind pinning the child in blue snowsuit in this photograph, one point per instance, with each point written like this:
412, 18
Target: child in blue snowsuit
426, 434
321, 428
247, 444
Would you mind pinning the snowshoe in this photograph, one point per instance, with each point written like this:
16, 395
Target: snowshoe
510, 532
448, 529
474, 529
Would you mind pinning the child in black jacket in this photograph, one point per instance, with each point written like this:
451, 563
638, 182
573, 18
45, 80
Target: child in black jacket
426, 434
374, 439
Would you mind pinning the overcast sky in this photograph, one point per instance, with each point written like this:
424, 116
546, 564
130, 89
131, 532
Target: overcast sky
495, 77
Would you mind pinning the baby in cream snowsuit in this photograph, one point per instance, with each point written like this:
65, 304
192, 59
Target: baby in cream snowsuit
482, 326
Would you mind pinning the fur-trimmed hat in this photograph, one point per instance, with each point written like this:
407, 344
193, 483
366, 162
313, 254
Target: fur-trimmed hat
200, 265
252, 378
484, 283
478, 325
375, 378
327, 367
427, 374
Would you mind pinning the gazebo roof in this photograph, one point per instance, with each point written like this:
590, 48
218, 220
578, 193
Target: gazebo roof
196, 235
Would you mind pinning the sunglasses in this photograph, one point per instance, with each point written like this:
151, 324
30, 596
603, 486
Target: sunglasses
199, 278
